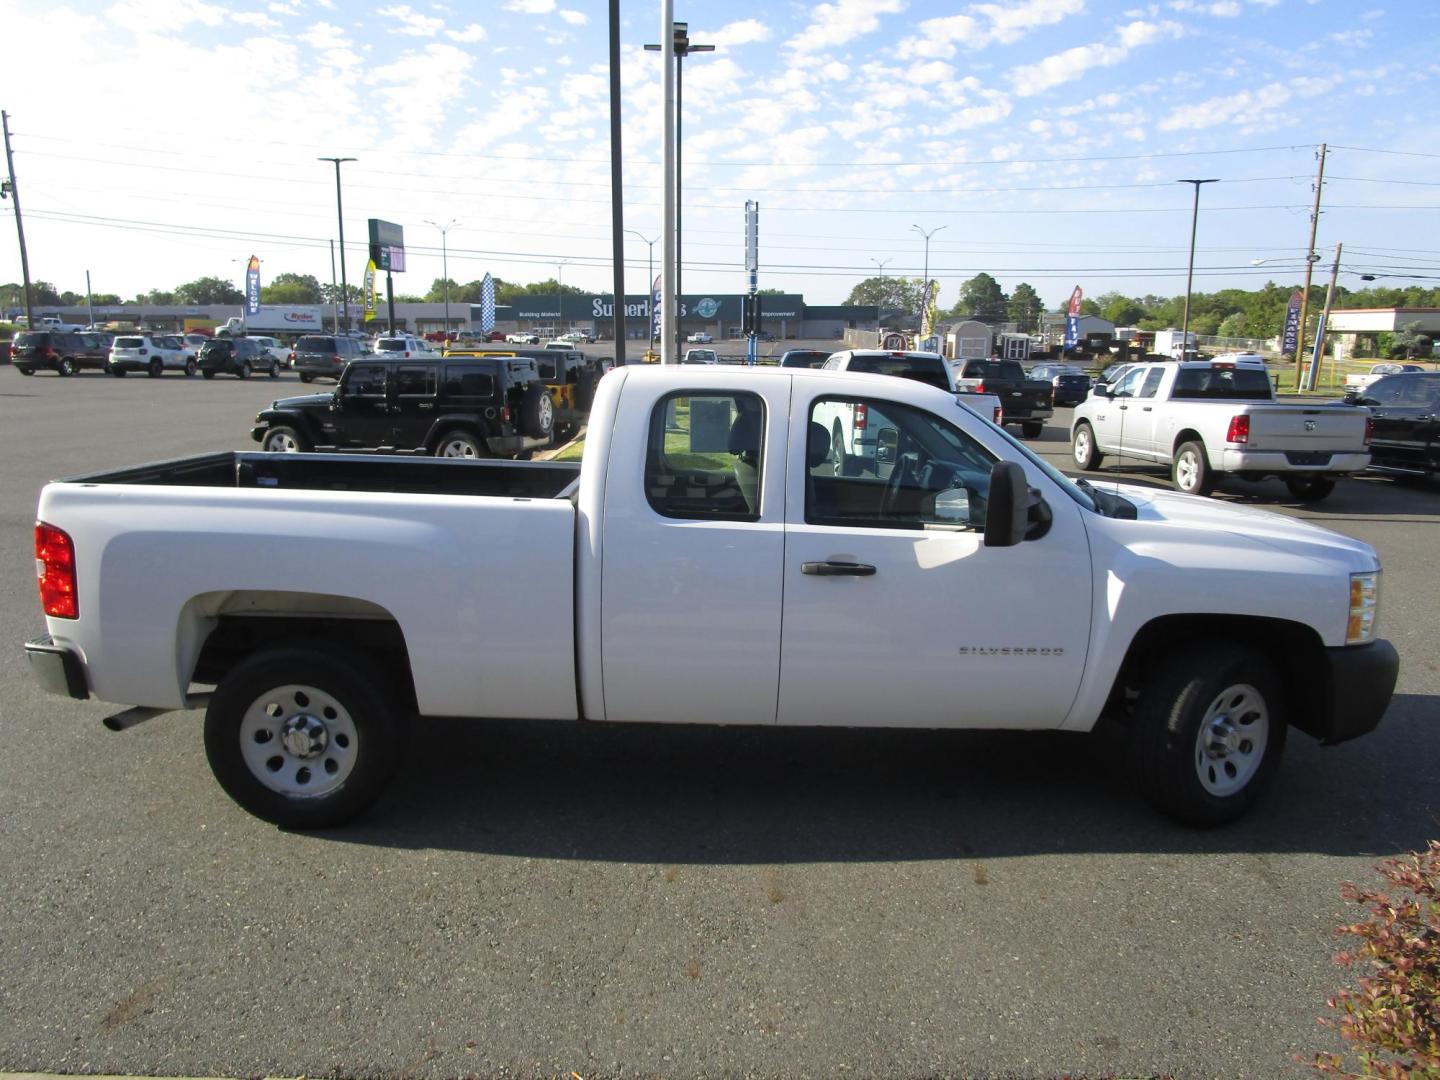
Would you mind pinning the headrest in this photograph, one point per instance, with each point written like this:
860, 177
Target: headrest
745, 433
817, 445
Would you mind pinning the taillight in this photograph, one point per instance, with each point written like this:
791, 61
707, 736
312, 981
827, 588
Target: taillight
504, 414
980, 388
1369, 429
1239, 430
291, 358
49, 353
862, 414
55, 571
336, 358
999, 414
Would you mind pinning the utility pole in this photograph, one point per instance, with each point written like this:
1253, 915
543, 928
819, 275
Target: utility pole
89, 303
334, 306
340, 216
879, 296
1190, 273
925, 302
1315, 360
1310, 260
9, 189
617, 204
445, 266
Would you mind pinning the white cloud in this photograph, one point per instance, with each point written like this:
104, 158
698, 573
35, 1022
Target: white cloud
254, 18
1353, 39
411, 21
744, 32
1010, 22
575, 89
1071, 64
531, 7
420, 87
574, 18
153, 15
472, 33
1245, 109
841, 22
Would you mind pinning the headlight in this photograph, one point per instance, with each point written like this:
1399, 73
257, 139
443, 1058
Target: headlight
1364, 607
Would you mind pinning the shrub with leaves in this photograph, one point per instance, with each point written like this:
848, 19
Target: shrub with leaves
1392, 1022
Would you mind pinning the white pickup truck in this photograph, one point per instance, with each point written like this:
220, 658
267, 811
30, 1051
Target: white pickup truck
1357, 381
1208, 418
715, 570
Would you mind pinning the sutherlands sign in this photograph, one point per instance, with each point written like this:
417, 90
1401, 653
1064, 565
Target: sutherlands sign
727, 308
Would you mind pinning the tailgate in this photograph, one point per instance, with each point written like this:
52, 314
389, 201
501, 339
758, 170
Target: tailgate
1298, 428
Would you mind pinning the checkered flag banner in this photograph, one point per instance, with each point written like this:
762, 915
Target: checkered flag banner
487, 304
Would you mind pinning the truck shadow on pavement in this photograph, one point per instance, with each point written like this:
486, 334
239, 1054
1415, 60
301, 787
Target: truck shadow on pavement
646, 794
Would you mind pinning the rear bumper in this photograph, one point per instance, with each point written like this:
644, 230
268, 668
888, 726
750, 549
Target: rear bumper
57, 668
1361, 680
1274, 462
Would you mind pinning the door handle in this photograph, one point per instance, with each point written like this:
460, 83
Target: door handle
837, 568
1149, 408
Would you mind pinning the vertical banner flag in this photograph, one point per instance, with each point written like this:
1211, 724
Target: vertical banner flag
252, 287
655, 309
369, 290
1291, 340
1072, 318
487, 304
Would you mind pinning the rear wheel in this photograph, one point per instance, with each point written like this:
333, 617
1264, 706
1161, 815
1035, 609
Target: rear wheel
303, 738
274, 369
24, 370
155, 368
1032, 429
459, 444
190, 368
1087, 454
306, 377
837, 451
1309, 488
119, 372
208, 374
1191, 470
1209, 732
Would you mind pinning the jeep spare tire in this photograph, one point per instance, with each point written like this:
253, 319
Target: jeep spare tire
537, 412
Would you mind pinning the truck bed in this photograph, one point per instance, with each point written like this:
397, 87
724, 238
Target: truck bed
352, 472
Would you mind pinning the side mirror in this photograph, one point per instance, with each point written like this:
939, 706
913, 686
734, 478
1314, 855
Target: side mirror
1015, 510
1101, 389
888, 443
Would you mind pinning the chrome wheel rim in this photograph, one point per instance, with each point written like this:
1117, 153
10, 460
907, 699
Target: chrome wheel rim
1187, 471
837, 453
282, 442
1231, 742
299, 741
547, 413
458, 448
1082, 446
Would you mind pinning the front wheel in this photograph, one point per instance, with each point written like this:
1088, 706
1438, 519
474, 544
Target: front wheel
303, 738
245, 370
284, 440
274, 369
1191, 470
1309, 488
67, 367
1209, 730
1087, 454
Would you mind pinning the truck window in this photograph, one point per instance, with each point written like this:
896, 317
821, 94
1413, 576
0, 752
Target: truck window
1152, 383
929, 370
366, 381
1128, 384
909, 469
1221, 384
462, 383
704, 456
415, 381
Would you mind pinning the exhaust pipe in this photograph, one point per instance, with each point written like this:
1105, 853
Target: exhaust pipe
140, 713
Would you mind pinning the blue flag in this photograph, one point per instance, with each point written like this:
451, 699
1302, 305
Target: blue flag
252, 287
1291, 339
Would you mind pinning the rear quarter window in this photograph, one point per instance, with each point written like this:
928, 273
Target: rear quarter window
462, 385
316, 344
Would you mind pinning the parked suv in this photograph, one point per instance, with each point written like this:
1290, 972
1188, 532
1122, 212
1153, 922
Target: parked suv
404, 347
60, 352
469, 407
152, 354
325, 356
236, 356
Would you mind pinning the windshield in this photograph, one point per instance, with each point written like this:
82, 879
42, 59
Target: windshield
1069, 486
391, 344
928, 370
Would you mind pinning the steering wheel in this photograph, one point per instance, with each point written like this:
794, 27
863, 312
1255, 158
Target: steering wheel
907, 468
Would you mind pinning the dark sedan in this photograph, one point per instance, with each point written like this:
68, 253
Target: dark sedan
1072, 385
1404, 408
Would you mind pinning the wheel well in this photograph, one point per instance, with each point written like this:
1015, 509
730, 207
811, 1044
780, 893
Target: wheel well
1182, 437
1295, 650
445, 427
378, 643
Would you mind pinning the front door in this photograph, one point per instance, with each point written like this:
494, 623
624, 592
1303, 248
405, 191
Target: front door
1403, 410
896, 614
1112, 414
362, 410
694, 535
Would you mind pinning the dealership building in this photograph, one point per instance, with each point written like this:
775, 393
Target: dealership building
784, 315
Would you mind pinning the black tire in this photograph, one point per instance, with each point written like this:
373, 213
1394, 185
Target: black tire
119, 372
155, 368
327, 726
66, 367
274, 369
284, 440
1190, 471
1082, 445
585, 391
1231, 695
305, 376
537, 412
24, 370
460, 444
1309, 488
208, 374
190, 368
1032, 429
245, 369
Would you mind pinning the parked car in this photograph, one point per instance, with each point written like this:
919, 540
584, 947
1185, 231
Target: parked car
805, 358
1405, 412
1071, 384
523, 337
1026, 401
1356, 381
236, 356
470, 407
196, 341
700, 356
153, 354
324, 356
63, 352
403, 347
272, 346
700, 337
704, 565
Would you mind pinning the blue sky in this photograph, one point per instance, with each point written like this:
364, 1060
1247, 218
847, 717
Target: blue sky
161, 140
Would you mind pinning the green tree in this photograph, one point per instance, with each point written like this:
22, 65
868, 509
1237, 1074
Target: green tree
1120, 310
290, 288
437, 291
208, 290
1025, 308
981, 297
331, 294
156, 298
888, 293
1234, 325
41, 292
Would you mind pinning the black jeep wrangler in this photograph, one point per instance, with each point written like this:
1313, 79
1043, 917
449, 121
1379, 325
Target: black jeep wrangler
470, 407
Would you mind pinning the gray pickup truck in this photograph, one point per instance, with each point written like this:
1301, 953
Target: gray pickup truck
1027, 402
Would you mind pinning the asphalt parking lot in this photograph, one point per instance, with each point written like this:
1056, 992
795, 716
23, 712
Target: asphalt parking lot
537, 899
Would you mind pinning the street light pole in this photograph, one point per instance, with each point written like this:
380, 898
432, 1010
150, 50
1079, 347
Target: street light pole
879, 296
925, 301
340, 214
1190, 273
445, 264
560, 297
649, 282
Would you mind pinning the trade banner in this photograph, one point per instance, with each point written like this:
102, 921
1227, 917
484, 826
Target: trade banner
252, 287
487, 304
369, 290
1291, 340
1072, 318
655, 309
